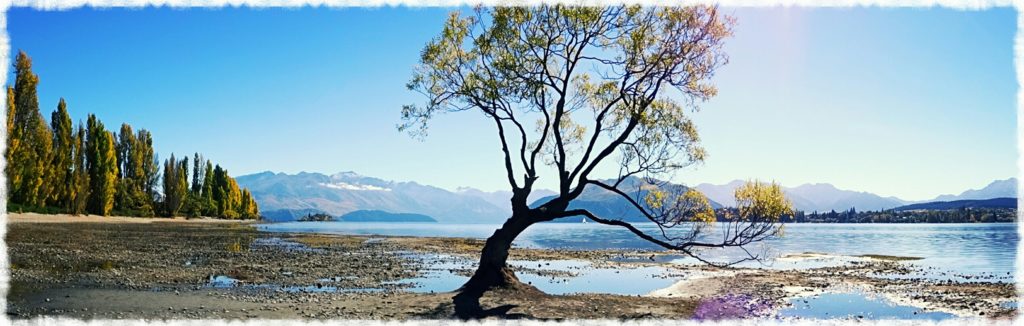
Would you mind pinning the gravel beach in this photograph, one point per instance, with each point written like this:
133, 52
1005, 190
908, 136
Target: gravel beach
93, 267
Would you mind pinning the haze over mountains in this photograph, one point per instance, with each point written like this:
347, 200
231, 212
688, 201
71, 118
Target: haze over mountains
501, 198
288, 196
996, 189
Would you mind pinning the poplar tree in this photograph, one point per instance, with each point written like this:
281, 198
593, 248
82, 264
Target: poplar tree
62, 166
197, 176
249, 209
182, 179
80, 197
124, 199
194, 200
149, 174
142, 167
13, 143
101, 161
175, 184
29, 160
209, 204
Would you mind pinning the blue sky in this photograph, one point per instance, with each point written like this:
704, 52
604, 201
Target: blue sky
911, 102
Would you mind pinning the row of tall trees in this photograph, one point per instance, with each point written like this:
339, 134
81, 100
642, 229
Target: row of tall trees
88, 169
212, 191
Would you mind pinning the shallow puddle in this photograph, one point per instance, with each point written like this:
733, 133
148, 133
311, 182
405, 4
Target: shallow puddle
855, 305
222, 281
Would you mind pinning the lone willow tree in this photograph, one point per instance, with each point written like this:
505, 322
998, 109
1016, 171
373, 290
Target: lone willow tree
571, 89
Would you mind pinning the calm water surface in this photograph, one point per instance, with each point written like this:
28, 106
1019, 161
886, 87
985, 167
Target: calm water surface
966, 249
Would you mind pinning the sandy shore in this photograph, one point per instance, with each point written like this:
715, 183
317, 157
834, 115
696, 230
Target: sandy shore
98, 267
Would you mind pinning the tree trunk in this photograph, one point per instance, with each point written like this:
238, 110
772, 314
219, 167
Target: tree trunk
493, 272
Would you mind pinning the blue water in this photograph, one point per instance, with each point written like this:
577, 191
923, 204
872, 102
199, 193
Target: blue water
963, 249
855, 305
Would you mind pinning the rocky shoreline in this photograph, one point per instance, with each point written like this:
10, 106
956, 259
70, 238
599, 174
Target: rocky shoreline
229, 270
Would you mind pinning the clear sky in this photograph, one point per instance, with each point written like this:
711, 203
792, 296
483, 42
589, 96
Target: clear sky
911, 103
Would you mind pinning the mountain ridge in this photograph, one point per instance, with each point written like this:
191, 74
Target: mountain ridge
288, 195
1002, 202
345, 192
825, 197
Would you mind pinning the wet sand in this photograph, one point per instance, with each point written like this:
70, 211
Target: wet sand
82, 268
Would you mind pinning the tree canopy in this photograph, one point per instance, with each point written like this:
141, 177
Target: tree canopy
576, 90
571, 89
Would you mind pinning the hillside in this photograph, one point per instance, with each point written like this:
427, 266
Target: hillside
968, 203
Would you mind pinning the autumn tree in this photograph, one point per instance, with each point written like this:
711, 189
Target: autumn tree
249, 208
136, 166
125, 199
13, 142
570, 90
143, 174
209, 206
194, 203
226, 195
101, 162
80, 198
63, 159
29, 139
149, 174
175, 184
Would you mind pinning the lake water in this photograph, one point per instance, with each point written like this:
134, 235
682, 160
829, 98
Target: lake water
962, 252
949, 250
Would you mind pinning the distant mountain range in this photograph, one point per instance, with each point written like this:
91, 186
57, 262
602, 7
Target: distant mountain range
810, 197
999, 188
501, 198
823, 197
280, 194
286, 197
607, 204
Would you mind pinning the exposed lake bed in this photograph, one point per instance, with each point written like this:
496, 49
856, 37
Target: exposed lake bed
186, 270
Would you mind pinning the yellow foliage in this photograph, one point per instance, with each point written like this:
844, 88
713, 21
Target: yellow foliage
699, 205
235, 247
655, 198
757, 200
